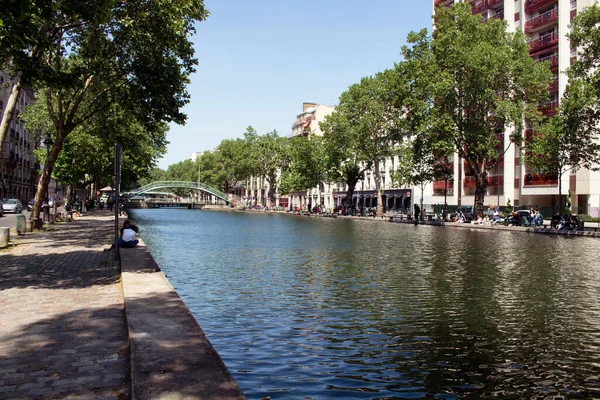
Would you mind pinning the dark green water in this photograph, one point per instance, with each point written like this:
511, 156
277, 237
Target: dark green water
311, 308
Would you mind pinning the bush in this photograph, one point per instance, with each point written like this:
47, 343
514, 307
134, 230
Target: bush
587, 218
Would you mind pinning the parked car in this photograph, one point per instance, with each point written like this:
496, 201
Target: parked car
13, 206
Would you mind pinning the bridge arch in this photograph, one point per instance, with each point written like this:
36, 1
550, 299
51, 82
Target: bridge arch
233, 199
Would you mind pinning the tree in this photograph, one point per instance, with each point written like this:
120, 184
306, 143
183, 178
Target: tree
570, 139
417, 166
233, 162
140, 57
89, 150
367, 119
268, 154
307, 164
479, 79
28, 31
343, 159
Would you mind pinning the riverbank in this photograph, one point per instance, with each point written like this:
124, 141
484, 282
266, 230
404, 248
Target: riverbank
545, 230
74, 325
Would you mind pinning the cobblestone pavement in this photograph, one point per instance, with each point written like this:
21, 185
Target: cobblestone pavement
62, 328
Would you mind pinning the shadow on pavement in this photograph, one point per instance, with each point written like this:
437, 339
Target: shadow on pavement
77, 355
75, 269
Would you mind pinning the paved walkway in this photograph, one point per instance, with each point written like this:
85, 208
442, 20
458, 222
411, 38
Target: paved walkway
62, 327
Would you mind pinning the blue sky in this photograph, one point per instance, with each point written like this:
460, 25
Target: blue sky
259, 60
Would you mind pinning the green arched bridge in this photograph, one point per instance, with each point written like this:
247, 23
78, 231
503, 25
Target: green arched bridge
153, 186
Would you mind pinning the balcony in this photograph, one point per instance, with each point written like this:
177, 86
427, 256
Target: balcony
553, 87
479, 7
543, 41
492, 3
438, 2
553, 59
544, 19
499, 15
549, 108
540, 180
440, 185
438, 188
302, 121
532, 5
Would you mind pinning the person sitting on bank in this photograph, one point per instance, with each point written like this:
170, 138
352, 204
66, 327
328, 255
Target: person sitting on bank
127, 238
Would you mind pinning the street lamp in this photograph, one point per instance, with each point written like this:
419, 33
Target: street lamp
47, 142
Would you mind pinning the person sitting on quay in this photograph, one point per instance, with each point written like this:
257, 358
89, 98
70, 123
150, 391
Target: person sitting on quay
538, 220
127, 238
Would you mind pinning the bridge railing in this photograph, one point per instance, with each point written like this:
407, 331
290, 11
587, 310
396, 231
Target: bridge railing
233, 199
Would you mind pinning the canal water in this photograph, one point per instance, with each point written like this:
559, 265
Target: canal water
319, 308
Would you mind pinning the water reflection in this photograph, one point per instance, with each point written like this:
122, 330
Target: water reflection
318, 308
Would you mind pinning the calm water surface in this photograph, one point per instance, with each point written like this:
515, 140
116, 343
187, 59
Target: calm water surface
315, 308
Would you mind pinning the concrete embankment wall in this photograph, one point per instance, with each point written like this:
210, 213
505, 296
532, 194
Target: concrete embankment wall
544, 230
171, 358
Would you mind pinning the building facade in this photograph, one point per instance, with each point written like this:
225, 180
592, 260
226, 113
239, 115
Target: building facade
19, 168
329, 196
307, 124
546, 25
194, 156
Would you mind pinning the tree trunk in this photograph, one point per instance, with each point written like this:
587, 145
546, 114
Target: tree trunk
9, 110
69, 193
480, 188
349, 195
422, 214
42, 188
378, 190
271, 195
561, 207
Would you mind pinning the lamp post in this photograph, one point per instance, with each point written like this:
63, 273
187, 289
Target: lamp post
47, 142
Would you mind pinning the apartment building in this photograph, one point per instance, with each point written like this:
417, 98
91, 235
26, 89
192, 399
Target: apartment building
18, 166
307, 124
546, 25
333, 195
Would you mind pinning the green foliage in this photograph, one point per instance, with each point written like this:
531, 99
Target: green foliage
88, 153
307, 168
482, 79
403, 175
585, 36
86, 57
587, 218
569, 140
365, 127
269, 154
509, 208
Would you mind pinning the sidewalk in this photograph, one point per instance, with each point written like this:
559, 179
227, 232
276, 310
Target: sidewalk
62, 315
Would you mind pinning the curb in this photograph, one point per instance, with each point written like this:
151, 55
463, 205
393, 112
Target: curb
171, 358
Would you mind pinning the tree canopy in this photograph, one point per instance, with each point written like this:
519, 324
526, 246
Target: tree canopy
136, 54
478, 79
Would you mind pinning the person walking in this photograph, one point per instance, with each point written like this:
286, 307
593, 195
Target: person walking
417, 211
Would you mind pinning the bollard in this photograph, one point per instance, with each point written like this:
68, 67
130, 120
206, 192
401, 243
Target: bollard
4, 237
29, 224
20, 224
